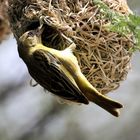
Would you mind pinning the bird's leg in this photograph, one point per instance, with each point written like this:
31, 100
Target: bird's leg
72, 47
67, 38
46, 20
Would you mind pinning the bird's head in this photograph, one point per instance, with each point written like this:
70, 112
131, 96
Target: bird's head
31, 38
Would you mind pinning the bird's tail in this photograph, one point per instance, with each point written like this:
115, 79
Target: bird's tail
86, 88
106, 103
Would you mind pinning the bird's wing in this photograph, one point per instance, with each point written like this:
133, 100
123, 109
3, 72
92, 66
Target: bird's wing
55, 78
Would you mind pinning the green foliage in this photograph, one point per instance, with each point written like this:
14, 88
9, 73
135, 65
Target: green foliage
120, 23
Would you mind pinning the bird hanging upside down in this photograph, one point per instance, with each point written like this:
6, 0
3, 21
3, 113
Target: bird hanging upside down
58, 72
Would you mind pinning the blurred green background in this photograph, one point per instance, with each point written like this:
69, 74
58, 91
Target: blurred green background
28, 113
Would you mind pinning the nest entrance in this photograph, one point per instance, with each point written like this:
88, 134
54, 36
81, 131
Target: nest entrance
103, 56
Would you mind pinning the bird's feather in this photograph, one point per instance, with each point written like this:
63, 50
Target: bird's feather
56, 78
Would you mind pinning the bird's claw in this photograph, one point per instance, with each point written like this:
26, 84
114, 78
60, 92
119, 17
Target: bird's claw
45, 20
33, 84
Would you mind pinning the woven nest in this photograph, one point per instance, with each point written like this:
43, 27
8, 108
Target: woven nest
4, 23
103, 56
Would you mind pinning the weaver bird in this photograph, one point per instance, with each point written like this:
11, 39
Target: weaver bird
58, 72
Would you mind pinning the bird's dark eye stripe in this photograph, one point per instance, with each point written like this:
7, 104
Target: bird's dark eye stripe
30, 34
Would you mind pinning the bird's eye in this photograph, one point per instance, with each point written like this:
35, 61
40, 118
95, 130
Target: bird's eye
30, 34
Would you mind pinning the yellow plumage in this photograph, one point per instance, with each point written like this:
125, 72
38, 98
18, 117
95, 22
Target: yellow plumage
58, 72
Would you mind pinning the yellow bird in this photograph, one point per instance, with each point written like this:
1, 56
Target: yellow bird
58, 72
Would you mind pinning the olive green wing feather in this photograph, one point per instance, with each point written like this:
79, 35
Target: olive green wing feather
51, 75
